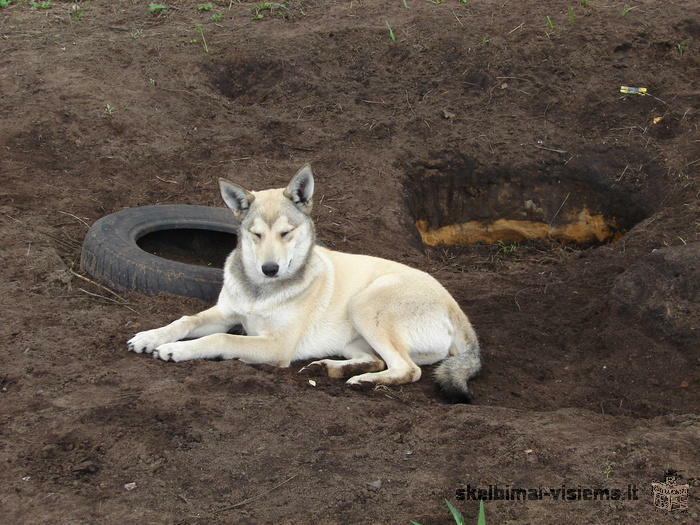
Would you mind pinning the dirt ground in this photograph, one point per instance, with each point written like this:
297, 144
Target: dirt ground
591, 352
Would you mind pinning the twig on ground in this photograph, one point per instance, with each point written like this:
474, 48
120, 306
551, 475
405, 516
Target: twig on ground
623, 173
513, 78
515, 298
109, 299
75, 217
11, 217
69, 244
299, 148
550, 149
560, 207
86, 279
259, 495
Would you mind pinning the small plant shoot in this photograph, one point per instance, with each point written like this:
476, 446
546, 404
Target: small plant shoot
391, 32
157, 8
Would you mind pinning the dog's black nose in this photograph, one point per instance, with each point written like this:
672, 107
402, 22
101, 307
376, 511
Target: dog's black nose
270, 269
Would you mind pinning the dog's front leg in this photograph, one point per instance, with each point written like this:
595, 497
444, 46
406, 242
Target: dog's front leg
208, 322
251, 349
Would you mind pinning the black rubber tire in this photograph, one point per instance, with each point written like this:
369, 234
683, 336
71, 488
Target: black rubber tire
111, 255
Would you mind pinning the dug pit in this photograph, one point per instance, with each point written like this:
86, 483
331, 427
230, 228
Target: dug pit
454, 200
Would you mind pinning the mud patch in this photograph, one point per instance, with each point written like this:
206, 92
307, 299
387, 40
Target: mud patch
456, 201
661, 291
247, 78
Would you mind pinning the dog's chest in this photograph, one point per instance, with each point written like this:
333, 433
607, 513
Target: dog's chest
270, 322
266, 319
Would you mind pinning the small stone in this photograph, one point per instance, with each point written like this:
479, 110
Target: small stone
376, 484
130, 486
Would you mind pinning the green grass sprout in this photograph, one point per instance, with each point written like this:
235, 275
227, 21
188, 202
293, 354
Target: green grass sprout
391, 31
481, 520
267, 6
157, 8
459, 518
198, 27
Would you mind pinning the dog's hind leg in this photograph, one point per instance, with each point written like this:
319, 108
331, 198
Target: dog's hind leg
360, 358
400, 367
400, 318
378, 329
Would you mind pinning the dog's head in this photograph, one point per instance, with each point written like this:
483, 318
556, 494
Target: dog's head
276, 231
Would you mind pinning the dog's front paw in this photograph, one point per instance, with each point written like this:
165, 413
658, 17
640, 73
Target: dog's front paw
174, 352
148, 341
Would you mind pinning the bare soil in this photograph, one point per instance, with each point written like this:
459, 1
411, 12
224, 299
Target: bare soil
591, 351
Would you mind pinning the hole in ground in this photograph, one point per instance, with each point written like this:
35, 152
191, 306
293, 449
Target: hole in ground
191, 246
249, 79
453, 200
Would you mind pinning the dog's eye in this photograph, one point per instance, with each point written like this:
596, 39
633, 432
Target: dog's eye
258, 235
284, 234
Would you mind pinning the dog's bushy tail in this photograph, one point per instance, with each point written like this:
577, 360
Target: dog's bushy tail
453, 373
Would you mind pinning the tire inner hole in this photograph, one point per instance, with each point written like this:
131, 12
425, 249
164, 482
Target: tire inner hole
190, 246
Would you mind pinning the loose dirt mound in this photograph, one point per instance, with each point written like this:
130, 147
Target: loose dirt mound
591, 345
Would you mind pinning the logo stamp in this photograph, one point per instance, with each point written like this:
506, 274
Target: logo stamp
670, 495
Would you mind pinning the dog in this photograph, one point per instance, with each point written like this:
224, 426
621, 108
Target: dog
297, 300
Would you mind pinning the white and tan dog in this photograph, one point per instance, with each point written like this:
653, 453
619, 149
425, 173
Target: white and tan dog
297, 300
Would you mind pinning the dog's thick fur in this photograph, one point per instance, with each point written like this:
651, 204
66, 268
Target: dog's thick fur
297, 300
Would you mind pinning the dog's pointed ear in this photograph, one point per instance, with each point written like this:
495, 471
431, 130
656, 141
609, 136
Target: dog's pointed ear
300, 189
236, 198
